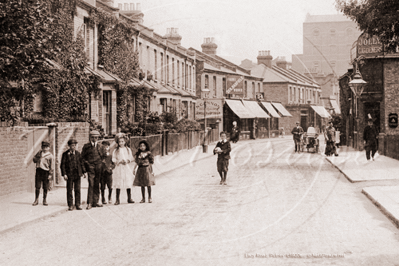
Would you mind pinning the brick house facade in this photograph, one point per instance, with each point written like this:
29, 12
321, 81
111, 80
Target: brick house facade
378, 99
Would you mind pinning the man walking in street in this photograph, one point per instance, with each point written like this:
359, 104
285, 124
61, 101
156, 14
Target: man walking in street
297, 132
92, 156
370, 135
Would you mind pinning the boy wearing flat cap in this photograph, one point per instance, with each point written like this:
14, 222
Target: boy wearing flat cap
72, 169
44, 170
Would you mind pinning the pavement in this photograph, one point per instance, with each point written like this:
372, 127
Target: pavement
355, 167
16, 210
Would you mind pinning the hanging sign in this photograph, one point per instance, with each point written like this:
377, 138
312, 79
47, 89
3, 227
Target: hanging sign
393, 120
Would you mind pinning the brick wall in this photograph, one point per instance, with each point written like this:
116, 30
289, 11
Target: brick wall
13, 150
391, 84
288, 123
276, 92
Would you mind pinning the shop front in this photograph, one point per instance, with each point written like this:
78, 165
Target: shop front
273, 121
260, 128
375, 98
211, 111
234, 110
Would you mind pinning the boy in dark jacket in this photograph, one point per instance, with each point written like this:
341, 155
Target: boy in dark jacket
106, 176
72, 169
44, 161
223, 149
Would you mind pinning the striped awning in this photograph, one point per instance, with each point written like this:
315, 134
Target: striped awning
254, 108
239, 109
321, 111
281, 109
271, 109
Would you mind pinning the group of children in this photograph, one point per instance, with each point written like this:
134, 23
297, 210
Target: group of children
116, 171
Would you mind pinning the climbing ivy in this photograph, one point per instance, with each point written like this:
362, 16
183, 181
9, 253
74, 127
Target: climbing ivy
40, 53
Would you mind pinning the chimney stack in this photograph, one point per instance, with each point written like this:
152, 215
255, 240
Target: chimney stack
282, 63
172, 34
209, 46
265, 58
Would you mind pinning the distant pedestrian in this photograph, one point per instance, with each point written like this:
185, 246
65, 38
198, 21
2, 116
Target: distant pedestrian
329, 135
297, 132
123, 176
144, 174
223, 149
44, 161
72, 169
106, 174
370, 136
235, 133
92, 156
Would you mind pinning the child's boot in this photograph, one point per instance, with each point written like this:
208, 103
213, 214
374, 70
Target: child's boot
129, 196
37, 192
118, 192
45, 197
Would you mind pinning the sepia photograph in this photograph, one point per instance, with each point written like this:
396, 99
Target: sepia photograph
160, 132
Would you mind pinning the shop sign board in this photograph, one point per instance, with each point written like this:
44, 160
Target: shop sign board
235, 85
214, 108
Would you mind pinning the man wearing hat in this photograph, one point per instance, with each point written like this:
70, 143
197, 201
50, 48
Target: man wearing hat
72, 169
296, 133
370, 135
92, 156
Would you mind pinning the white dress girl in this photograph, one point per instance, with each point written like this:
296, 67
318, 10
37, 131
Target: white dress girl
123, 174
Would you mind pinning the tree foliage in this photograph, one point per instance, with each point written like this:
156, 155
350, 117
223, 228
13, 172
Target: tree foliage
38, 50
376, 18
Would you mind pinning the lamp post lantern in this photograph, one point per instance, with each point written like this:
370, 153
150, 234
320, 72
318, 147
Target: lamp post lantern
357, 87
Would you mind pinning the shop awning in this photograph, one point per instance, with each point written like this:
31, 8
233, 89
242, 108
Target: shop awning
334, 104
271, 109
321, 111
255, 109
239, 109
281, 109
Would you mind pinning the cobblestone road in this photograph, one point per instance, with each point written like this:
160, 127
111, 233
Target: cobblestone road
279, 208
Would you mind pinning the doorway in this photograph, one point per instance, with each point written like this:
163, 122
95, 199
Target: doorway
304, 122
107, 112
373, 108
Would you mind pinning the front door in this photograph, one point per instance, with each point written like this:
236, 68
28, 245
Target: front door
107, 112
304, 123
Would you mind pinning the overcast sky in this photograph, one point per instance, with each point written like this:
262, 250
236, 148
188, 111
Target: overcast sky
240, 28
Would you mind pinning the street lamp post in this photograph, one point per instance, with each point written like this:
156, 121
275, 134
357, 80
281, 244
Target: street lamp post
357, 87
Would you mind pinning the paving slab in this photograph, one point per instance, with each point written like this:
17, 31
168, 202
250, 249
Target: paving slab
387, 199
354, 165
16, 210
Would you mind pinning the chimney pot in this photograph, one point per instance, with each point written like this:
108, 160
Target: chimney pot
265, 58
138, 6
209, 46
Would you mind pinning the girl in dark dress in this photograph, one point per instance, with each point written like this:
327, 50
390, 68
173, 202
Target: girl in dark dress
144, 174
